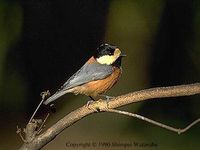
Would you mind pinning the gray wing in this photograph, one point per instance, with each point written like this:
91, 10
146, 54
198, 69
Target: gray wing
89, 72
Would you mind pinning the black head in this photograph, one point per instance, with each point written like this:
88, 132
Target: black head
105, 49
108, 54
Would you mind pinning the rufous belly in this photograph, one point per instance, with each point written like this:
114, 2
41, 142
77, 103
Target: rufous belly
94, 88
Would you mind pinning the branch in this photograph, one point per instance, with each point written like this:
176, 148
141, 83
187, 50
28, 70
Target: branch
160, 92
179, 131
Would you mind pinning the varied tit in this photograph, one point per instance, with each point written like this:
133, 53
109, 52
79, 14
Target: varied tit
96, 76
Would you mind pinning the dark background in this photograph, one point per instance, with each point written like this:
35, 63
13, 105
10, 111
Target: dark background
42, 43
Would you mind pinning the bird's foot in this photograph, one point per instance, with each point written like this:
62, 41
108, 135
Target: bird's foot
89, 102
88, 106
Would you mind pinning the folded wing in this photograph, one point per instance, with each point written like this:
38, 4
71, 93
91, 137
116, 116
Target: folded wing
87, 73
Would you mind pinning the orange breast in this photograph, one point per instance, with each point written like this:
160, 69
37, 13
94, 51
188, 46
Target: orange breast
91, 60
97, 87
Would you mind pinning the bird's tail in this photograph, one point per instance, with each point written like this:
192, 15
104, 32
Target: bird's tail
54, 97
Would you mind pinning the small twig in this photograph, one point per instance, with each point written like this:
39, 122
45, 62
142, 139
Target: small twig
43, 95
19, 131
189, 126
179, 131
42, 125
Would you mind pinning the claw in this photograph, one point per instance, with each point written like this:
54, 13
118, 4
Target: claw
88, 105
89, 102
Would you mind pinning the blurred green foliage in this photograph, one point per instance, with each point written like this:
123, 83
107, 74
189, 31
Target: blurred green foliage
10, 29
132, 26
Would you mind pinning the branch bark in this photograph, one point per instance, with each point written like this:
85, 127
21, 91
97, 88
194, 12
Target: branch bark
101, 105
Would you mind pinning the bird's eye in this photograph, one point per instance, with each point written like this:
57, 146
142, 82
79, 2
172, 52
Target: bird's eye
110, 52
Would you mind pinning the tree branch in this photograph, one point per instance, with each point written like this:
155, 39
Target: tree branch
177, 130
160, 92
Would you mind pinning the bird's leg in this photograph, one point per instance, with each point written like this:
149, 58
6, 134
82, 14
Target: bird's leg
91, 98
91, 101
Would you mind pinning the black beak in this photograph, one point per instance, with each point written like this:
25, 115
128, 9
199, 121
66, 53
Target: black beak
122, 55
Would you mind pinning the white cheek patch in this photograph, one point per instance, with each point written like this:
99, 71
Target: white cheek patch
107, 59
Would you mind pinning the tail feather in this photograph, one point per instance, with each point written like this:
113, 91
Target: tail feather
54, 97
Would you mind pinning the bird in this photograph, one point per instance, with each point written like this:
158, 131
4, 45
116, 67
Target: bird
99, 74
